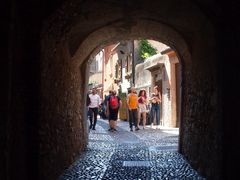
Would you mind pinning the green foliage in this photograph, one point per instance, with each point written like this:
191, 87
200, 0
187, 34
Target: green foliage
146, 49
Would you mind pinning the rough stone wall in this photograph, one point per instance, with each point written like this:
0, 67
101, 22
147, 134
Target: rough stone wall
199, 80
63, 131
201, 116
104, 27
228, 70
179, 90
201, 113
22, 72
103, 23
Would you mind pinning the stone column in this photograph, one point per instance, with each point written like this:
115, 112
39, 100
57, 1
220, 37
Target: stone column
173, 96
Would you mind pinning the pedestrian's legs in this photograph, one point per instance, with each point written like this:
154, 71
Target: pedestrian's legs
144, 115
152, 114
115, 125
109, 118
130, 119
139, 117
134, 112
115, 120
90, 117
111, 122
95, 112
158, 116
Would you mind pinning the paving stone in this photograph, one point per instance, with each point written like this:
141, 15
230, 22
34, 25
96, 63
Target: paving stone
138, 155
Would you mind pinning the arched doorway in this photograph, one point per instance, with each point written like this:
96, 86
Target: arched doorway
64, 66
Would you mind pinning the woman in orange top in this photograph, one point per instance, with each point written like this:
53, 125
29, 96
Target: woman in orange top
132, 103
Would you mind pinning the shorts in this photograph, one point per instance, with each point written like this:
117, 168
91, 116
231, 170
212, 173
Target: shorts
142, 108
113, 114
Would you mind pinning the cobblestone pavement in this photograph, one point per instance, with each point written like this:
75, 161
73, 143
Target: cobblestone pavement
148, 154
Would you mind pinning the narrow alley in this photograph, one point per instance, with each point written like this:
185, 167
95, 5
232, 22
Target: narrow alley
47, 73
144, 154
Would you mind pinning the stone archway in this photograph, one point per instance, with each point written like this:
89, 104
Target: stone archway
69, 40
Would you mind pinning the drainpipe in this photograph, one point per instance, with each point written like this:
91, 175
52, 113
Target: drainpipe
103, 64
133, 65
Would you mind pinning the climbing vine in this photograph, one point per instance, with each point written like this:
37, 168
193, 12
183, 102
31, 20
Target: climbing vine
146, 49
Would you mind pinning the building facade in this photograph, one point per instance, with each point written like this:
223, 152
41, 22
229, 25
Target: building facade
163, 70
119, 67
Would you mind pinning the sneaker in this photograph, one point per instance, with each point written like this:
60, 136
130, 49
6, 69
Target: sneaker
109, 129
131, 129
151, 125
136, 129
93, 128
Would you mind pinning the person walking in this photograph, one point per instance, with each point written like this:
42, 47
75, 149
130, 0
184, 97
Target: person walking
105, 102
88, 102
142, 107
106, 99
113, 105
93, 108
132, 103
155, 100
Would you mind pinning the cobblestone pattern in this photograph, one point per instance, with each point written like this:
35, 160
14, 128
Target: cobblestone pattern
124, 155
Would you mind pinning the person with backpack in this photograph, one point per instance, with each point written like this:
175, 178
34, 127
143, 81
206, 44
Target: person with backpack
105, 102
113, 105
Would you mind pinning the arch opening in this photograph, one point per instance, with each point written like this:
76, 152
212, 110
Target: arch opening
71, 81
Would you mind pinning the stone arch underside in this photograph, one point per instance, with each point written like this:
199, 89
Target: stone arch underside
68, 42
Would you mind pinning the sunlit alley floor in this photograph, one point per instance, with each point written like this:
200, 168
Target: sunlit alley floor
124, 155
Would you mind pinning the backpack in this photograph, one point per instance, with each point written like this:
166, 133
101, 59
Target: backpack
113, 102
